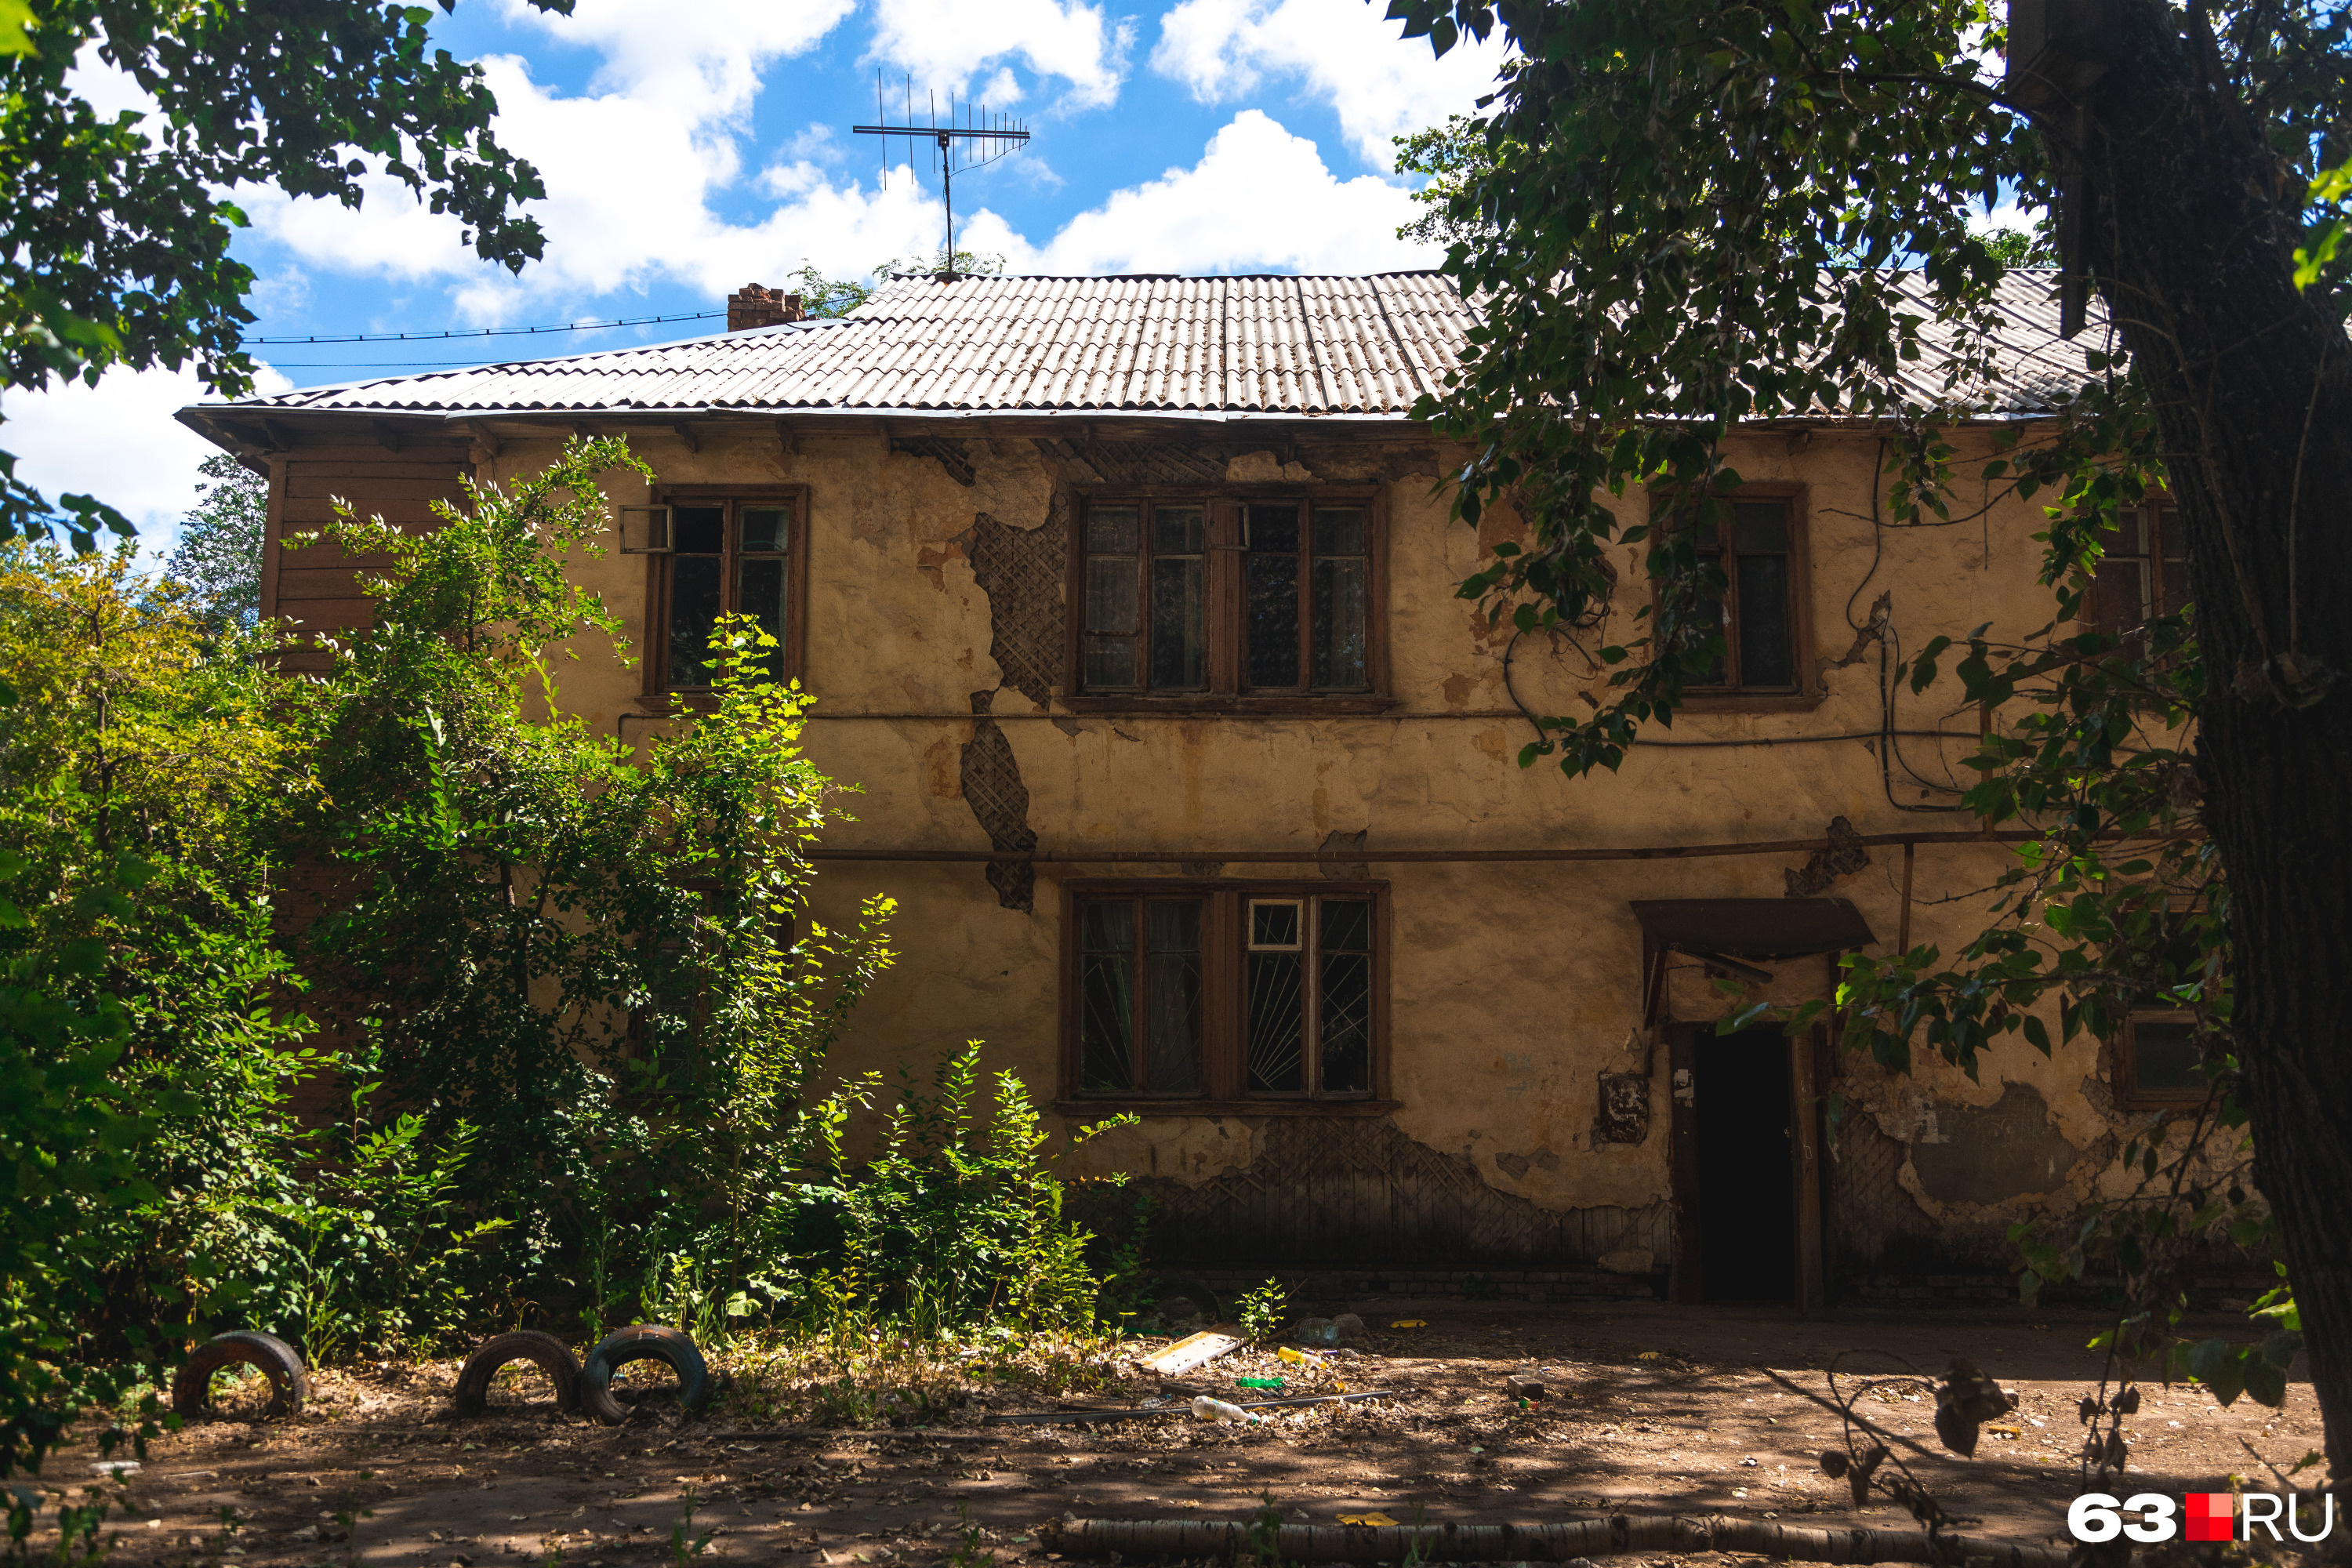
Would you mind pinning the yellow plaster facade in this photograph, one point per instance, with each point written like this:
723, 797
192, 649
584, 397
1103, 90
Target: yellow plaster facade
1512, 986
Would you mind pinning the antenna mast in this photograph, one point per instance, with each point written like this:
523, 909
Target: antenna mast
972, 138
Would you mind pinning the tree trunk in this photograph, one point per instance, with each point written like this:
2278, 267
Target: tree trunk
2253, 386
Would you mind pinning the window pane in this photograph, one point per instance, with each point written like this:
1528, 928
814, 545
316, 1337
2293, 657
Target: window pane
1110, 594
1274, 620
1180, 622
1274, 527
1277, 1023
2174, 548
1110, 663
1112, 530
2118, 597
1346, 959
1759, 527
1709, 613
766, 527
1106, 996
1179, 530
1274, 925
694, 584
698, 529
1339, 628
759, 593
1107, 926
1768, 654
1340, 530
1347, 1055
2164, 1057
1347, 925
1172, 951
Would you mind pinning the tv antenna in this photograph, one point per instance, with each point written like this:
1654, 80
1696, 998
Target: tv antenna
970, 138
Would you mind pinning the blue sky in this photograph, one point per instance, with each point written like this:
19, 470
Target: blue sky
692, 146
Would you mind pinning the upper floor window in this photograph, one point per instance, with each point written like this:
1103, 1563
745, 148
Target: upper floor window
1756, 538
717, 553
2145, 573
2160, 1063
1207, 596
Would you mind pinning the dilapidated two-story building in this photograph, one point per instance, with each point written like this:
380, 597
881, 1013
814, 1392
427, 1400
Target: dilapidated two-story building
1130, 603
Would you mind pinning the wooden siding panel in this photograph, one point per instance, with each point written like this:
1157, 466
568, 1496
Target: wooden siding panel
316, 585
300, 582
329, 614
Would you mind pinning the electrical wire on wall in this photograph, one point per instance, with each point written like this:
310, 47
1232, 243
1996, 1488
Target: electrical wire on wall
1887, 732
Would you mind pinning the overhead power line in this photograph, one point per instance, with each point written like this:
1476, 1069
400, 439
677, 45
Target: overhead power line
378, 364
493, 331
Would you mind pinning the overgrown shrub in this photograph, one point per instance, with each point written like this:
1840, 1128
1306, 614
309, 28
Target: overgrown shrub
557, 1009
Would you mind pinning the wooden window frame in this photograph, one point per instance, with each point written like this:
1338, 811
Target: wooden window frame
2098, 614
1227, 690
2129, 1095
1224, 999
1809, 694
657, 580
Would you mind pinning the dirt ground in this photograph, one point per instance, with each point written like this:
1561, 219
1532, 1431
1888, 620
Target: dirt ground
1647, 1409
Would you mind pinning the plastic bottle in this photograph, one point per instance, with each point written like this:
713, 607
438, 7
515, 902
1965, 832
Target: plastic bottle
1209, 1409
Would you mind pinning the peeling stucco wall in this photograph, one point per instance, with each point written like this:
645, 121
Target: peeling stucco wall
937, 572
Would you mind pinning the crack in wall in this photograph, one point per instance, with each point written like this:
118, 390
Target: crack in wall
948, 451
1022, 570
1000, 804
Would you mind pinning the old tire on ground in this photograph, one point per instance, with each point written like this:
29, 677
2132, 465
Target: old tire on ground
644, 1342
545, 1352
1196, 1291
289, 1381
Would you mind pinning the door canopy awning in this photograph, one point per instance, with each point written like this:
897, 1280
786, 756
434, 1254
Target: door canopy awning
1752, 928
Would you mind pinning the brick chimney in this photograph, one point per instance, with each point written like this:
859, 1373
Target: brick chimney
758, 307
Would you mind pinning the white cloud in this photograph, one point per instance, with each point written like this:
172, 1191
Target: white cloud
630, 166
119, 442
700, 59
1260, 198
2008, 216
946, 43
1379, 84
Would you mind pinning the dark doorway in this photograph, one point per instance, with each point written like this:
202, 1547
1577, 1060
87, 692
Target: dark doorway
1747, 1201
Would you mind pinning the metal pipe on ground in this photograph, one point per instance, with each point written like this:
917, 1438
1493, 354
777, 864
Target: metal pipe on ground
1571, 1543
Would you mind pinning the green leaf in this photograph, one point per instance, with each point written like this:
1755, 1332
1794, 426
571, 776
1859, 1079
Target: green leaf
16, 22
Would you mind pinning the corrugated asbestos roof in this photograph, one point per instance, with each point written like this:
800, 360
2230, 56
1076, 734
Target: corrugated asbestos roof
1281, 345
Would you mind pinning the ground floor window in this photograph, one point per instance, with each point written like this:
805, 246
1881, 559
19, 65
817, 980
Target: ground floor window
1262, 991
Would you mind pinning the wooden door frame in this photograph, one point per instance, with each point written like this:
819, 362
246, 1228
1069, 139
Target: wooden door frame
1806, 1187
